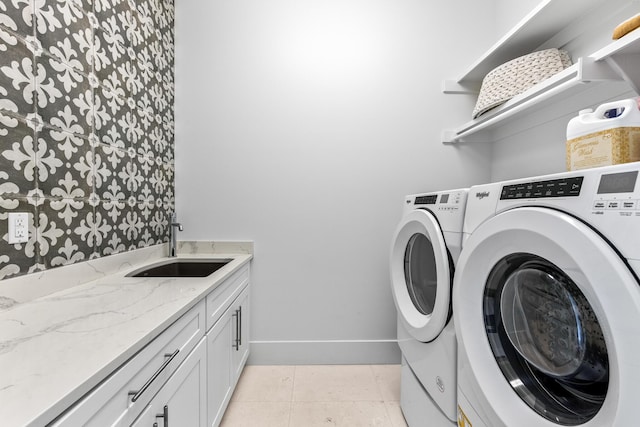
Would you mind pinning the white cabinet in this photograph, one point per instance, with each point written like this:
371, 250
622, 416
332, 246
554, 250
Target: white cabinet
227, 352
199, 392
185, 376
182, 400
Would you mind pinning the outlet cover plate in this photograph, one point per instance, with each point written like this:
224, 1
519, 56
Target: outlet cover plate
18, 227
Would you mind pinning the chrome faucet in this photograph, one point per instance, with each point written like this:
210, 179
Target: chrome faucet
173, 239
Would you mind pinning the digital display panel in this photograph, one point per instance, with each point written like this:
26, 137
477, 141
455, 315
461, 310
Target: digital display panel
426, 200
623, 182
444, 198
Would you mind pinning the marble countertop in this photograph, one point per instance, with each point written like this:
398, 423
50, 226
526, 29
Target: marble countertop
55, 348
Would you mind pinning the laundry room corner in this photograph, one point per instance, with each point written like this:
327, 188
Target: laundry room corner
295, 213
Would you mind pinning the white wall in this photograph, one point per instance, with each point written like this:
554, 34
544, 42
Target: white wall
301, 125
508, 13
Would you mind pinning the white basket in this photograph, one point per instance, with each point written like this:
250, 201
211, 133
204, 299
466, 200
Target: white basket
516, 76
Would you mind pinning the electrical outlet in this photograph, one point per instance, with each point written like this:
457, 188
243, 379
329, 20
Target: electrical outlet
18, 227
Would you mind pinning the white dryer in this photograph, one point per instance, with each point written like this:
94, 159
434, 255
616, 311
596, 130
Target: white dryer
547, 301
426, 245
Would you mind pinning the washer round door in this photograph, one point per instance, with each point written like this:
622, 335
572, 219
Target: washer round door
421, 275
545, 309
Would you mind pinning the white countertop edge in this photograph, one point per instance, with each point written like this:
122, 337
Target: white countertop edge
38, 284
68, 324
31, 286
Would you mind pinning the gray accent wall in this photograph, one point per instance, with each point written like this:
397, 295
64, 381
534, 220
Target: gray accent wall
86, 128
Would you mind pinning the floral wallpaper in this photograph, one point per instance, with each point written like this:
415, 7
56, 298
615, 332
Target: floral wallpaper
86, 128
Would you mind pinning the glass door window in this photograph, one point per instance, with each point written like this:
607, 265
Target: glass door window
546, 339
420, 273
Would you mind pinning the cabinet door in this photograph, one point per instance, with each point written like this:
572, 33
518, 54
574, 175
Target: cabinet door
240, 350
219, 340
182, 400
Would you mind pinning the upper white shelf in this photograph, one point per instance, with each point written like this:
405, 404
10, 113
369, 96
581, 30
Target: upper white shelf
540, 25
618, 62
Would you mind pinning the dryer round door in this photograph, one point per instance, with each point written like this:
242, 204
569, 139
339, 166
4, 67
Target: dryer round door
421, 273
545, 309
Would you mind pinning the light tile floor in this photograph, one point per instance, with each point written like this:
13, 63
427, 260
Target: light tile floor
323, 395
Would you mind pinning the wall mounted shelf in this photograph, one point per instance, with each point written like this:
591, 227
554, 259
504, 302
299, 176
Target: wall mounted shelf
540, 25
617, 62
566, 83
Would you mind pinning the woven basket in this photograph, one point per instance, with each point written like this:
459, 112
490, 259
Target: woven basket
516, 76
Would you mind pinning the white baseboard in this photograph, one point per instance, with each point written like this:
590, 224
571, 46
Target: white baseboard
332, 352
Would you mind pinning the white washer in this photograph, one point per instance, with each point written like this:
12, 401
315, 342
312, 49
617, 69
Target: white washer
426, 245
547, 301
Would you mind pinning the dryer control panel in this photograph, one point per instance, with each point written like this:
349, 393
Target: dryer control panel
429, 199
448, 207
442, 201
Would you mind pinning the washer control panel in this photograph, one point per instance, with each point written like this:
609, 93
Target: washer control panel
612, 191
616, 204
565, 187
615, 192
606, 198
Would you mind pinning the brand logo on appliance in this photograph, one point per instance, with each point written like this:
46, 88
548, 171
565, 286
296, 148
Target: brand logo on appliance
440, 384
482, 195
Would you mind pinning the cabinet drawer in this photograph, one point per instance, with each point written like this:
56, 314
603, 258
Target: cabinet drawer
222, 297
183, 399
121, 397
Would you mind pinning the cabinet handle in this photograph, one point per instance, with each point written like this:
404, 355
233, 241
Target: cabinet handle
164, 415
235, 344
240, 327
136, 394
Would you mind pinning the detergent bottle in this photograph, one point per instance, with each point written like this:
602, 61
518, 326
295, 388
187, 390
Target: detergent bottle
607, 136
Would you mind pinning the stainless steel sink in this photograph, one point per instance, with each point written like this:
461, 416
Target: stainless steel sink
181, 267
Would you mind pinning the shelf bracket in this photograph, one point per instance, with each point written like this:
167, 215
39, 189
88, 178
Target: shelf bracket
590, 70
627, 66
449, 136
454, 87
